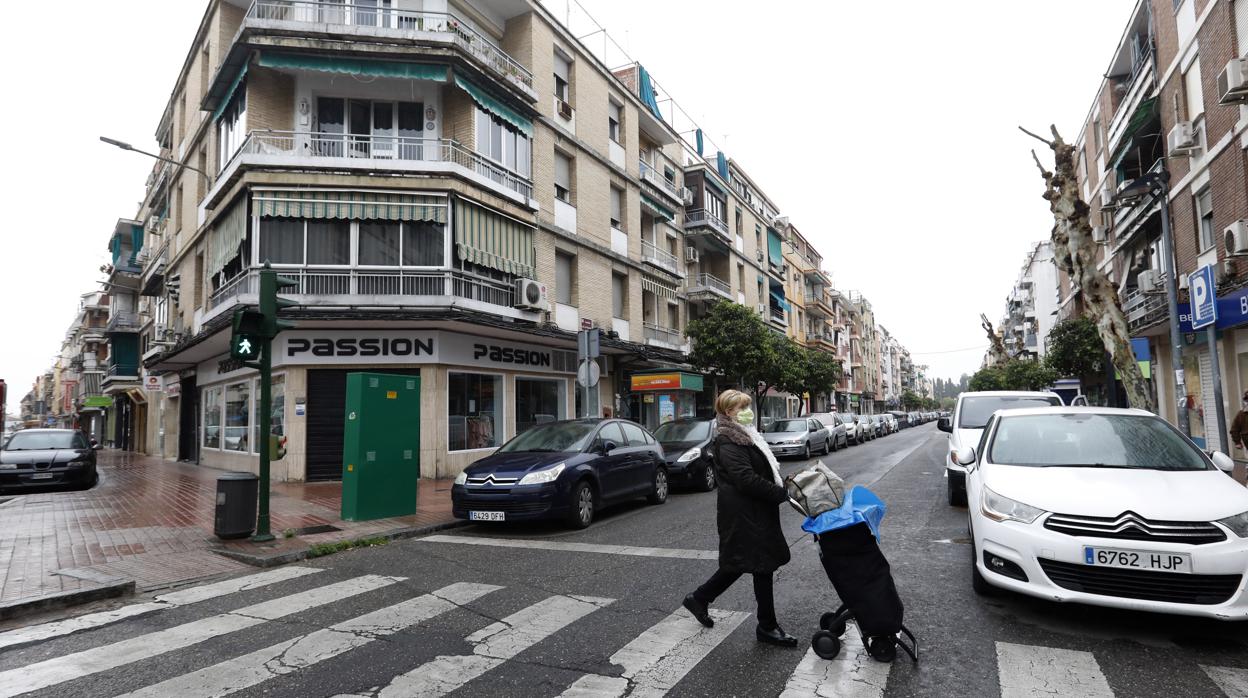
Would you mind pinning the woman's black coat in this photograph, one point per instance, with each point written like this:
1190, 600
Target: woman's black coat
747, 513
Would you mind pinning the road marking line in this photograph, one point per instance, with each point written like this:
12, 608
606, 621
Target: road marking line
660, 657
174, 599
853, 674
1027, 671
306, 650
564, 546
494, 645
75, 666
1232, 681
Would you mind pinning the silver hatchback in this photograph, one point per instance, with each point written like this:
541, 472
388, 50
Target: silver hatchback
799, 436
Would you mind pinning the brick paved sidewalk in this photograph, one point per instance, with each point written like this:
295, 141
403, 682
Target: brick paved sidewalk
151, 521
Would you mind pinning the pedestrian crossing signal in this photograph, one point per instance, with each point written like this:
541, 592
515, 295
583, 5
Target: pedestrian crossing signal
247, 335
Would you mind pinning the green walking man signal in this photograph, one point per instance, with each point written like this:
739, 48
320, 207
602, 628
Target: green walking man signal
252, 341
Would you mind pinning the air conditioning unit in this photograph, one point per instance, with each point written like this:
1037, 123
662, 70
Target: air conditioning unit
1098, 235
1233, 82
1107, 196
1236, 235
759, 256
531, 295
1226, 269
1182, 282
1183, 139
565, 109
762, 308
781, 222
1147, 281
686, 195
691, 254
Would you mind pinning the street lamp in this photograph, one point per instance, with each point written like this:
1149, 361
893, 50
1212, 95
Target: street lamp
126, 146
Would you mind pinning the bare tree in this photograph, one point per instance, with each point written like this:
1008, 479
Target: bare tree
1075, 252
996, 347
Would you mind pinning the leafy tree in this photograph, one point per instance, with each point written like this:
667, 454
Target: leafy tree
1075, 348
988, 378
910, 400
733, 342
819, 371
785, 372
1015, 374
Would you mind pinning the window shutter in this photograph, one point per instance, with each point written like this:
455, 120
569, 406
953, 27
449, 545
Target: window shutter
563, 168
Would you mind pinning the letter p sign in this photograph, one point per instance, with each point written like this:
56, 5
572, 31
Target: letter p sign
1204, 297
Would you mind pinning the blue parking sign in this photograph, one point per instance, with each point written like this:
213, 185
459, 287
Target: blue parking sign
1204, 296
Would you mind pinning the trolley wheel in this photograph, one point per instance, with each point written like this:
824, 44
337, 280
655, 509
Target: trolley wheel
832, 623
825, 644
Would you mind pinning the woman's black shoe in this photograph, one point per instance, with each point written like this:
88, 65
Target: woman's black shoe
699, 611
775, 636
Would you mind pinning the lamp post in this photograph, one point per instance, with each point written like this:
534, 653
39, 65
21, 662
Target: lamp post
126, 146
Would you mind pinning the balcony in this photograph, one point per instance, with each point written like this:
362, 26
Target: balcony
706, 285
121, 373
657, 257
700, 220
659, 181
371, 153
663, 336
1144, 310
122, 321
307, 18
777, 316
437, 288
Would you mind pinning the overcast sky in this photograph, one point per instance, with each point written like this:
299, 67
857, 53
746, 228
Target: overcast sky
885, 130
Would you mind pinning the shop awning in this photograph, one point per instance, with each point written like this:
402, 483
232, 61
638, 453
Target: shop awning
351, 204
656, 208
355, 66
675, 380
229, 93
493, 240
494, 106
658, 288
227, 236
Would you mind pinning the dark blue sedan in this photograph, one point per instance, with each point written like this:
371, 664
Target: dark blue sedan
563, 470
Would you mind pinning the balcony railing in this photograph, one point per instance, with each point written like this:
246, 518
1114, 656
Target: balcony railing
1144, 309
651, 253
431, 154
666, 335
701, 218
708, 283
122, 371
123, 321
652, 176
401, 285
381, 21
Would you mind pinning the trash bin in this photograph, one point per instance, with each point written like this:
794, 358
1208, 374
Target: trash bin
237, 494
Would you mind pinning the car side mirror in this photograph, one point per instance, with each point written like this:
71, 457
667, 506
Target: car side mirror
607, 447
945, 424
965, 456
1223, 462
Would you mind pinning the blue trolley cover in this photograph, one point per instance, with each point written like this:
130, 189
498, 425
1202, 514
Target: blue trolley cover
861, 505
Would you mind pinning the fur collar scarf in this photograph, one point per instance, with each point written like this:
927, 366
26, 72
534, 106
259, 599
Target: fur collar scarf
741, 435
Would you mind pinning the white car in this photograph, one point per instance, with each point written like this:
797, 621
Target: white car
1109, 507
966, 427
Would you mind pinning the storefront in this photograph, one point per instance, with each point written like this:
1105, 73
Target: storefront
665, 396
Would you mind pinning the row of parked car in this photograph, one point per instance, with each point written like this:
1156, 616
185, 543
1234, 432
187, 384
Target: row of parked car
569, 470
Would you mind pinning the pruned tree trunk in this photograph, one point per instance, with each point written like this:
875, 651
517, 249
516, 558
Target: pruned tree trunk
1075, 252
996, 347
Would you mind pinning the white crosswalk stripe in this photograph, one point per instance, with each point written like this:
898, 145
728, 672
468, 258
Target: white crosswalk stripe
852, 674
1029, 671
1232, 681
306, 650
75, 666
182, 597
660, 657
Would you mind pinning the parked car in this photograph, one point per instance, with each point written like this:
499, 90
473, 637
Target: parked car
62, 458
867, 427
853, 433
876, 424
686, 451
834, 425
902, 419
890, 423
1110, 507
967, 426
563, 470
797, 437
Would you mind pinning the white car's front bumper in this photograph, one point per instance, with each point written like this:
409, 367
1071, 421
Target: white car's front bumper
1032, 547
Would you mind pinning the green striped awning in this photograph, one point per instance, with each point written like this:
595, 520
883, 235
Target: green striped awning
354, 66
493, 240
358, 205
656, 208
494, 106
658, 288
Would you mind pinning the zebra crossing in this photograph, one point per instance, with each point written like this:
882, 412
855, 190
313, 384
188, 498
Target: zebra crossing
493, 624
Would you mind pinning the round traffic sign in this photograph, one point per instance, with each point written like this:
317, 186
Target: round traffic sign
588, 373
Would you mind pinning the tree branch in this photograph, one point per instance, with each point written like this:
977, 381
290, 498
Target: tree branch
1039, 138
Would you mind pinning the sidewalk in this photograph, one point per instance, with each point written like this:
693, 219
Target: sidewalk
151, 521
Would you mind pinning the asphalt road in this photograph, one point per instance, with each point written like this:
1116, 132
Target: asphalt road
538, 610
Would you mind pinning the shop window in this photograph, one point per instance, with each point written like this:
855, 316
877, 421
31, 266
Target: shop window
212, 418
277, 416
474, 411
538, 401
237, 417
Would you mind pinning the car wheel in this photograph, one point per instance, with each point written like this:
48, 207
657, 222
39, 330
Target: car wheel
659, 495
978, 583
581, 511
707, 481
957, 495
806, 452
827, 446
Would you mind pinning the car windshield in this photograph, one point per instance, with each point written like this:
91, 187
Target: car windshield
847, 419
559, 437
675, 432
787, 425
1093, 440
38, 440
977, 410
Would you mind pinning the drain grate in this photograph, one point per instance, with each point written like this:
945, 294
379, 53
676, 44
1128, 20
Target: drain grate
309, 530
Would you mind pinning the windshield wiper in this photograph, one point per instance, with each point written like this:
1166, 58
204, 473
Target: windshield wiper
1094, 465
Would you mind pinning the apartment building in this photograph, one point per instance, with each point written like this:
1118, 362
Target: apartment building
1171, 108
1032, 305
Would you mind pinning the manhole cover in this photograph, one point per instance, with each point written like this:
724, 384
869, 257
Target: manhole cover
309, 530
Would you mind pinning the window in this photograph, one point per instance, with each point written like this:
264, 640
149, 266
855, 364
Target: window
237, 417
212, 417
564, 277
741, 277
715, 206
1096, 136
634, 434
673, 316
740, 222
232, 126
563, 72
277, 416
297, 241
423, 244
329, 242
617, 205
619, 294
497, 141
613, 121
371, 125
1241, 26
611, 432
539, 400
1193, 96
379, 243
1204, 218
474, 411
563, 177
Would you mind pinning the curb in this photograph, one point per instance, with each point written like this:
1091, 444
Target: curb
263, 560
24, 607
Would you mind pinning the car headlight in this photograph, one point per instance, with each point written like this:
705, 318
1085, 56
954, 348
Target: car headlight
1237, 523
462, 478
691, 454
8, 466
541, 477
999, 508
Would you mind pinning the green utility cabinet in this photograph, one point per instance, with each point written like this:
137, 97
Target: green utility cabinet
381, 446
